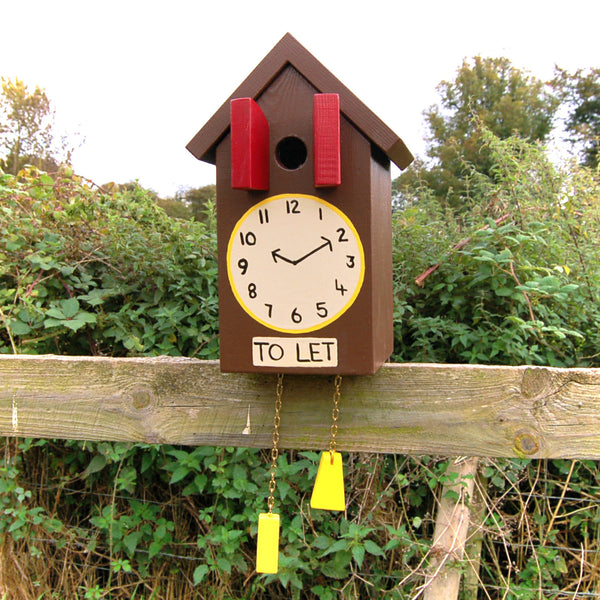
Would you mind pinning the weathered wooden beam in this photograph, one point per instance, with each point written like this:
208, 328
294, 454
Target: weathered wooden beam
405, 408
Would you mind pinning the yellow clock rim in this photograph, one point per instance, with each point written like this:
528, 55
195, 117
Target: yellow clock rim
352, 298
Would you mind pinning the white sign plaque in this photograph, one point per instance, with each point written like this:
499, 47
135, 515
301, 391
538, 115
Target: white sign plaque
294, 352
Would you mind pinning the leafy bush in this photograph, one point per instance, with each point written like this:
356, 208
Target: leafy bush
86, 272
517, 281
513, 280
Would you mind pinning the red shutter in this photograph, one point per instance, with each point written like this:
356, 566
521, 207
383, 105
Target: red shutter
249, 146
326, 140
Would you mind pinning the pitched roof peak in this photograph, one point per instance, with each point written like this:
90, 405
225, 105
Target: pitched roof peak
289, 51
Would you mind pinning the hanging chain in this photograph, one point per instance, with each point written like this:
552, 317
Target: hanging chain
335, 413
275, 449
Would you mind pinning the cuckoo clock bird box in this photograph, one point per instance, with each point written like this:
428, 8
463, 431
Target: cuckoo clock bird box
303, 221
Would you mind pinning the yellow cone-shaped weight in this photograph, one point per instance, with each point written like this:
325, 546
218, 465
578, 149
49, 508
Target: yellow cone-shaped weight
328, 493
267, 545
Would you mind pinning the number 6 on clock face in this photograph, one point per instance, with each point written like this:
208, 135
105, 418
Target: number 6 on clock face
295, 263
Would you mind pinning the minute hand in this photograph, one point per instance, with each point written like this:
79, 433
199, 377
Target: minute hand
325, 244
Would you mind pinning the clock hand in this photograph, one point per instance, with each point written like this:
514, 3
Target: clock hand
275, 254
326, 244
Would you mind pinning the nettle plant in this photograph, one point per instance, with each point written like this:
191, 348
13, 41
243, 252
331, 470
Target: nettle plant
516, 275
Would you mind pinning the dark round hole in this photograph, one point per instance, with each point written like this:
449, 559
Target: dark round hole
291, 153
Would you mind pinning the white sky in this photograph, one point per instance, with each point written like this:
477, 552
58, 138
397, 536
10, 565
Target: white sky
138, 78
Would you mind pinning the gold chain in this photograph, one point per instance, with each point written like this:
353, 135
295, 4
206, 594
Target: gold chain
275, 449
335, 413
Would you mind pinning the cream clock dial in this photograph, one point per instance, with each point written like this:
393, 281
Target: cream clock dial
295, 263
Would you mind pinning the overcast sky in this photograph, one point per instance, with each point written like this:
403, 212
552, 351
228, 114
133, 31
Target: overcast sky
138, 78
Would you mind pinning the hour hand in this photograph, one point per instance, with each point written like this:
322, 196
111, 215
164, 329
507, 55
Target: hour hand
276, 256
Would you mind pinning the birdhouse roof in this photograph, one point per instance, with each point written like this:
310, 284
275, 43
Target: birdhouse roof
288, 51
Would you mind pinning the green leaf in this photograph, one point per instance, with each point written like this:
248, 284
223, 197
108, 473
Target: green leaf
131, 540
55, 313
96, 464
74, 324
70, 307
200, 572
372, 548
179, 473
338, 568
335, 547
358, 553
19, 328
52, 323
504, 291
322, 542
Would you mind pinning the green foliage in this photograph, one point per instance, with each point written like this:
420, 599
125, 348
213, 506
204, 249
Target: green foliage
85, 270
522, 290
26, 128
487, 94
199, 202
580, 92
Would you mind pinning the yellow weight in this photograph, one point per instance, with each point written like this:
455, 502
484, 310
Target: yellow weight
267, 545
328, 493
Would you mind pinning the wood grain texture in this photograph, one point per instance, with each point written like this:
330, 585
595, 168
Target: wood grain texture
451, 528
326, 140
410, 408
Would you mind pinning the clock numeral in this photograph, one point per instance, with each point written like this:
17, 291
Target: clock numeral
340, 287
342, 233
263, 216
296, 316
252, 290
292, 207
322, 310
350, 263
247, 239
243, 265
269, 310
320, 214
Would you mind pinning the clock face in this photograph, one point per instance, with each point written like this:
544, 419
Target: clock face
295, 263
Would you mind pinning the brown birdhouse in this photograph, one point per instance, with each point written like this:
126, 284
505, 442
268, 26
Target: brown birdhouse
303, 221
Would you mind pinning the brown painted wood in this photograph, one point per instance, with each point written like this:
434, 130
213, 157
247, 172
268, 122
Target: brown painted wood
288, 51
365, 331
451, 410
297, 96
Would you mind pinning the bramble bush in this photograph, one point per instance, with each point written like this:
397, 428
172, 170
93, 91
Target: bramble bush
85, 271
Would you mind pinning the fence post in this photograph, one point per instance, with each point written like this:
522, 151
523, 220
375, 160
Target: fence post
451, 527
475, 537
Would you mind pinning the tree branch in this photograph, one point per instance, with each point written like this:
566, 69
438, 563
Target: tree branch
420, 280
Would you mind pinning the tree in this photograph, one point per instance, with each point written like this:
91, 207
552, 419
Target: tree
580, 92
200, 201
26, 128
487, 93
175, 208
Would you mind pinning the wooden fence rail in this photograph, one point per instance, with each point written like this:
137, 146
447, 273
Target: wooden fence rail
452, 410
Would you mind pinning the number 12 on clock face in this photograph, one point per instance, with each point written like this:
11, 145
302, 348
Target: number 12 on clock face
295, 263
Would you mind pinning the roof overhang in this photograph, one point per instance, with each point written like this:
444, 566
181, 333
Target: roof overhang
288, 51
